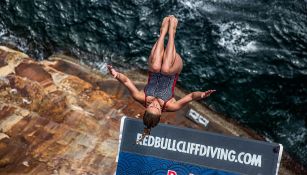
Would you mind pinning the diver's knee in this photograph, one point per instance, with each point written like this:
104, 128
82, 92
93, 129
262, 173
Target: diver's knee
166, 70
155, 68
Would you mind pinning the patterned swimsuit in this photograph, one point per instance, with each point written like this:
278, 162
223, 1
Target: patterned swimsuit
160, 86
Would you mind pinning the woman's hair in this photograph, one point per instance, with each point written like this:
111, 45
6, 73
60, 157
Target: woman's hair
151, 120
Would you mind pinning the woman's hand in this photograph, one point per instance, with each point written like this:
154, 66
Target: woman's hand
200, 95
188, 98
112, 71
207, 93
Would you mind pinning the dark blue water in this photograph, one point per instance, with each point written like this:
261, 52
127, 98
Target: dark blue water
254, 53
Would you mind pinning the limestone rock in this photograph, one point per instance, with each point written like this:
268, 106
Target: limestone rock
52, 121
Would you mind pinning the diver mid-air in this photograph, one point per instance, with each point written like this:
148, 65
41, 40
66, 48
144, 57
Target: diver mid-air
164, 66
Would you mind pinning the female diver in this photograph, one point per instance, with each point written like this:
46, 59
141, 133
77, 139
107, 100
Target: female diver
164, 66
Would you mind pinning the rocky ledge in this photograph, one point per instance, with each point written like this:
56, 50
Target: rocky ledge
60, 117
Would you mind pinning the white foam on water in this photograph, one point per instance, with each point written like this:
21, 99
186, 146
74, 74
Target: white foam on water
102, 67
3, 31
188, 3
198, 5
235, 37
250, 47
297, 136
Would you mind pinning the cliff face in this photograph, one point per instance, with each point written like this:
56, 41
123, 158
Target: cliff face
53, 122
58, 117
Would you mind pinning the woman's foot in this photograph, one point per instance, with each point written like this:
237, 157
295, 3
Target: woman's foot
164, 26
173, 21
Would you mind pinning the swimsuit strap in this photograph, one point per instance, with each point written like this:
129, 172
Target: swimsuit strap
148, 80
145, 105
164, 105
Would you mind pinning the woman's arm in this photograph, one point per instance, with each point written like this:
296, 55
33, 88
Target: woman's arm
188, 98
135, 93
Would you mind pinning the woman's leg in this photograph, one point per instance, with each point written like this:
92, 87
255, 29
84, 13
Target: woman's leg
172, 62
157, 51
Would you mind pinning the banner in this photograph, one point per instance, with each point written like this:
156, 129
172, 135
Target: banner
171, 150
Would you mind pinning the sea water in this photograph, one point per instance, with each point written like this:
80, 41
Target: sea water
254, 53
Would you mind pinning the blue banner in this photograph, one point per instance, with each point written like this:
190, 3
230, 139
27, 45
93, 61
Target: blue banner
172, 150
135, 164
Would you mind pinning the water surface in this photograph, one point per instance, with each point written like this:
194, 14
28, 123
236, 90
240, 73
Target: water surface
254, 53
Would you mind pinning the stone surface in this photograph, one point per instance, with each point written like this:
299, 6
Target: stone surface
60, 117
